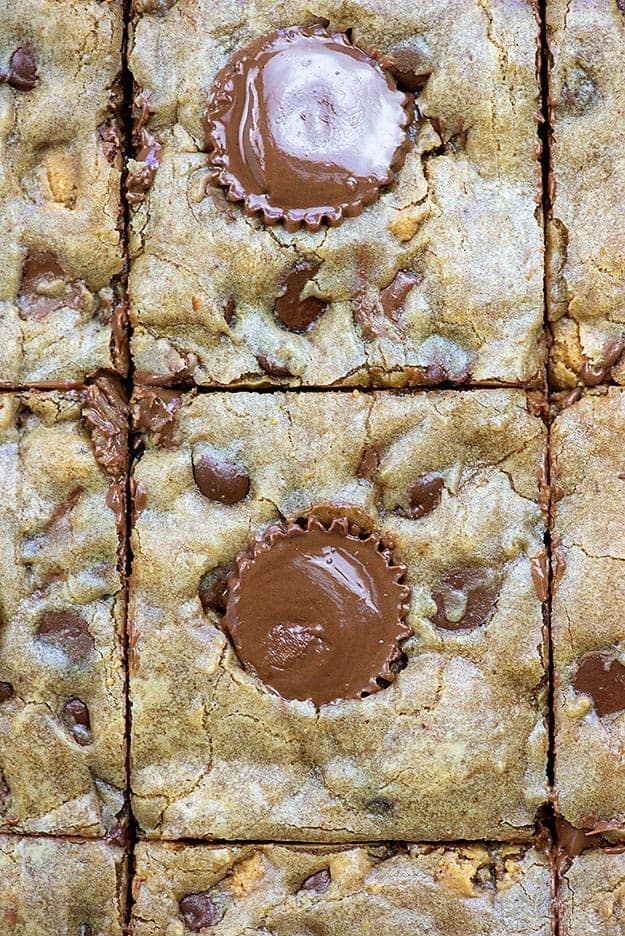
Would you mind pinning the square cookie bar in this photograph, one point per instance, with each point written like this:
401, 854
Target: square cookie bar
57, 888
338, 196
62, 747
284, 684
586, 283
466, 891
62, 314
591, 895
588, 475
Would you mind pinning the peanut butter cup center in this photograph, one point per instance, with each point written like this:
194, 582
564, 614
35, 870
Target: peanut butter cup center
318, 612
303, 126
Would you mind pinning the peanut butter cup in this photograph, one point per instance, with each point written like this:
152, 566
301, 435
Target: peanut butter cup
318, 611
304, 127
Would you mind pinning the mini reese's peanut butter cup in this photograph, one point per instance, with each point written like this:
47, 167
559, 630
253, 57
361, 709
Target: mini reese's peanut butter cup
317, 611
304, 127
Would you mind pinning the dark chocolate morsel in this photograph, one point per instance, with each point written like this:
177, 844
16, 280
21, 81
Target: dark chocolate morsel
272, 367
45, 287
6, 691
425, 494
603, 680
219, 479
295, 313
318, 612
214, 591
67, 631
369, 463
393, 297
304, 127
317, 883
197, 911
464, 599
76, 719
22, 71
407, 66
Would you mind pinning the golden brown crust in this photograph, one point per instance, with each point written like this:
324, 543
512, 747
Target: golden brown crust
468, 708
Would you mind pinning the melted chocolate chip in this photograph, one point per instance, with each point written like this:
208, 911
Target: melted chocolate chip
220, 480
407, 66
67, 631
75, 716
464, 599
603, 680
6, 691
369, 463
197, 911
570, 840
303, 127
393, 298
425, 494
595, 373
317, 883
155, 411
318, 613
272, 367
105, 411
295, 313
22, 71
110, 135
214, 591
143, 168
45, 288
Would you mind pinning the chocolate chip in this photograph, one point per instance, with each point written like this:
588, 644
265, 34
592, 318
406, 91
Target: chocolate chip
571, 840
393, 298
214, 591
425, 494
45, 288
621, 5
220, 480
67, 631
142, 170
110, 135
595, 373
85, 930
408, 68
6, 691
156, 411
603, 680
382, 807
22, 71
295, 313
369, 463
464, 599
350, 139
229, 310
272, 367
105, 411
317, 883
197, 911
75, 716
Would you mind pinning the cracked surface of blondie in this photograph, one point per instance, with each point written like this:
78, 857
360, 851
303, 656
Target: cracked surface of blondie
586, 285
60, 887
62, 749
455, 746
289, 891
588, 475
440, 279
61, 307
592, 895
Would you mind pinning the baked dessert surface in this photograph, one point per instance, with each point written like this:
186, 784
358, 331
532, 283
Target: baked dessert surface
440, 279
591, 895
61, 304
57, 887
215, 752
587, 610
586, 287
288, 891
62, 712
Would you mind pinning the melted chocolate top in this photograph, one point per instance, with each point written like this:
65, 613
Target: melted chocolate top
303, 126
318, 613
